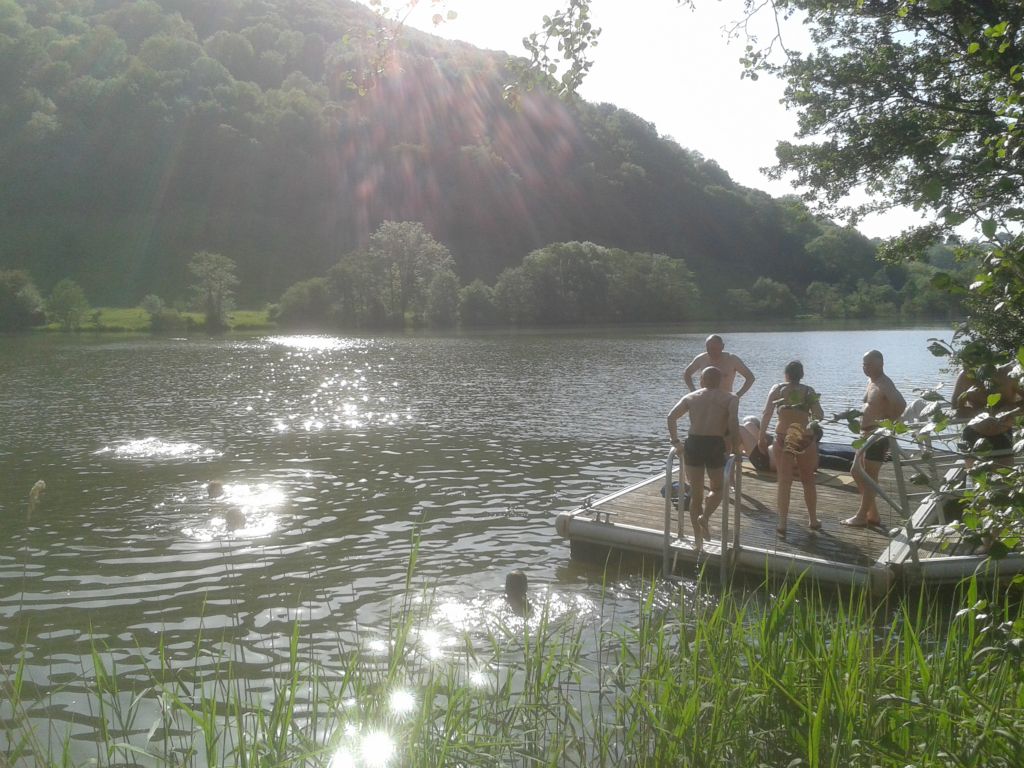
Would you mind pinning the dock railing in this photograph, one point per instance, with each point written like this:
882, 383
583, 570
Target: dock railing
931, 473
731, 481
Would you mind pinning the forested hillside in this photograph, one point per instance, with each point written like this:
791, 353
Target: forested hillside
134, 134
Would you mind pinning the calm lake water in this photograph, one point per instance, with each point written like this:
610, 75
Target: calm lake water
334, 452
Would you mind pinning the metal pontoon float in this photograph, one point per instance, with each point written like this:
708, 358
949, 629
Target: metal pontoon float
914, 545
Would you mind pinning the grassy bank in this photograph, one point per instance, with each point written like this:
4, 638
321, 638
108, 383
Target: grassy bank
735, 681
137, 320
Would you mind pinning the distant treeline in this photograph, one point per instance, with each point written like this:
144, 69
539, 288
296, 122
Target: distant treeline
135, 134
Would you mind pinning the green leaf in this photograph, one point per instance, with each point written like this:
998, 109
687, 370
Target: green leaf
973, 48
932, 190
988, 227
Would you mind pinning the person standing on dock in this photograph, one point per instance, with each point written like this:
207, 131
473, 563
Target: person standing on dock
726, 362
795, 448
714, 426
881, 401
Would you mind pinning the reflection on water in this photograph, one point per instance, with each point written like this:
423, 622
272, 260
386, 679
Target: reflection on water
155, 448
338, 456
239, 510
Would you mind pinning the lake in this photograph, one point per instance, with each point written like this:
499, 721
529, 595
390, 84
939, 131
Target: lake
334, 453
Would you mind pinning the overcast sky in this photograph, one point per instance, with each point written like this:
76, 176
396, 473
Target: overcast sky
671, 66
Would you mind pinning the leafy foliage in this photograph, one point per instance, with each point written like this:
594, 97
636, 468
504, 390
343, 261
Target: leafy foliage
67, 305
213, 285
21, 306
286, 134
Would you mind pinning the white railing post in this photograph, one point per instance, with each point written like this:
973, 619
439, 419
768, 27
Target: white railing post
666, 563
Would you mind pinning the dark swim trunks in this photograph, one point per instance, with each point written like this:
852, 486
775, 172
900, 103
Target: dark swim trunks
704, 451
1001, 442
877, 451
760, 458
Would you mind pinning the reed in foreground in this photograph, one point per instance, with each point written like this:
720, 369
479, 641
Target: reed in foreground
735, 680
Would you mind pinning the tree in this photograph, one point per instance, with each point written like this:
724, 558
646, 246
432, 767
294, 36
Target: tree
406, 258
161, 317
443, 299
307, 304
21, 306
917, 100
213, 283
476, 304
67, 305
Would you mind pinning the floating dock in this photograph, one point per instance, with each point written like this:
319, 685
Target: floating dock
913, 545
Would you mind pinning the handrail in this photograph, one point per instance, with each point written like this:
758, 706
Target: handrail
859, 473
666, 566
732, 464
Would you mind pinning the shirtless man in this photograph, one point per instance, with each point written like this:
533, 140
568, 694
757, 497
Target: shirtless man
990, 429
726, 362
714, 427
881, 401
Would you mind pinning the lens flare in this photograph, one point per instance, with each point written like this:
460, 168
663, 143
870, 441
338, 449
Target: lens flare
402, 702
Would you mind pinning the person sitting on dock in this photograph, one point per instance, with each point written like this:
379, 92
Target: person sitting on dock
881, 401
750, 433
714, 426
991, 427
726, 362
795, 447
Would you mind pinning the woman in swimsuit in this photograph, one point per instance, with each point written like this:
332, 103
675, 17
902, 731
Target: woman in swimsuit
795, 448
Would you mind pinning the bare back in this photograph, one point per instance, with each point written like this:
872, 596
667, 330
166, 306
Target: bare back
881, 401
728, 363
971, 397
711, 411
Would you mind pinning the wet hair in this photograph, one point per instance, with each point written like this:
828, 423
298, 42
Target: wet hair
714, 337
875, 354
516, 585
794, 371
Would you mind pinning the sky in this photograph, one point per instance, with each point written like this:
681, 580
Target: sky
668, 64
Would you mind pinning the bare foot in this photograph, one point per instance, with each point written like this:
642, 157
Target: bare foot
815, 525
856, 522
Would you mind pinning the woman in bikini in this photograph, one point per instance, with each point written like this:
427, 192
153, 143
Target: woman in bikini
795, 448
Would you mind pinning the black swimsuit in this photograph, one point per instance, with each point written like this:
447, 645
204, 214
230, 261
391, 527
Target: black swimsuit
704, 451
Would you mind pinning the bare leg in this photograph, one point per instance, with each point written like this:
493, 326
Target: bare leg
695, 476
784, 483
867, 513
807, 465
716, 479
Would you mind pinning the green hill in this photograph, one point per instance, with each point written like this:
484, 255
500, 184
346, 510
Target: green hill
133, 134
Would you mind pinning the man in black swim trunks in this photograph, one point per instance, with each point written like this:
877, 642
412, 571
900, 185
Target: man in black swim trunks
714, 427
882, 401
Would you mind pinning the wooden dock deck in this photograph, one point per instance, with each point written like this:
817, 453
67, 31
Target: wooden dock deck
633, 519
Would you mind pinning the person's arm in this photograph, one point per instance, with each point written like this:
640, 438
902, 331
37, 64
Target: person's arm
748, 377
691, 369
899, 405
961, 407
674, 415
766, 417
815, 410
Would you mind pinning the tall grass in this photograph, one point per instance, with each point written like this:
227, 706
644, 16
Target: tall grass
736, 680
